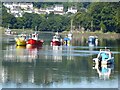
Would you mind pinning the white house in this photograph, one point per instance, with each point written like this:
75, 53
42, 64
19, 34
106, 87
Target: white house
49, 10
29, 11
72, 10
18, 4
58, 8
59, 12
8, 4
26, 5
15, 10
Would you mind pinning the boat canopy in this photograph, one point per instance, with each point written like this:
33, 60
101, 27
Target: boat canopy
105, 54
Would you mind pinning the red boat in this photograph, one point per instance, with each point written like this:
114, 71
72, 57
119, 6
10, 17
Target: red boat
56, 41
34, 40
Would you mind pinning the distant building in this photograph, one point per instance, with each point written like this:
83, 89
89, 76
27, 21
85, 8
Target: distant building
19, 8
26, 5
29, 11
59, 12
17, 12
18, 4
49, 10
8, 4
42, 11
72, 10
58, 8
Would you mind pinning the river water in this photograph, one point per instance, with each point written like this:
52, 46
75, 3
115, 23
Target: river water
56, 66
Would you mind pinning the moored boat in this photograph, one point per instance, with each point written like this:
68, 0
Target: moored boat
67, 41
92, 40
8, 31
34, 40
56, 40
70, 36
21, 40
104, 57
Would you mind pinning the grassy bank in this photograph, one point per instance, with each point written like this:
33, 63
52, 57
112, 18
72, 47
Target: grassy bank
76, 34
108, 35
2, 30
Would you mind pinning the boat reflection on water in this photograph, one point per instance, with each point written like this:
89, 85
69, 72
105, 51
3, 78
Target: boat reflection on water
57, 53
20, 47
69, 51
104, 71
33, 51
92, 45
21, 54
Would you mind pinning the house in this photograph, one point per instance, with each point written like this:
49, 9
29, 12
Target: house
16, 11
59, 12
29, 10
49, 10
42, 11
58, 7
26, 5
8, 4
17, 8
72, 10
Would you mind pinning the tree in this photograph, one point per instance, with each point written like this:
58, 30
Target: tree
7, 19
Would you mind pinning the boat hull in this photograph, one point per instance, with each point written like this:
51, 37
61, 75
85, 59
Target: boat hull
102, 62
35, 42
20, 42
55, 43
67, 43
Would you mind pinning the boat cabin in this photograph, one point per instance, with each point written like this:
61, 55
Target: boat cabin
105, 56
55, 38
92, 39
70, 36
34, 36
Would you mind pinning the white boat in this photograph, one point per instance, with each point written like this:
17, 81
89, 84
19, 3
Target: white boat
56, 40
8, 31
92, 41
104, 57
70, 36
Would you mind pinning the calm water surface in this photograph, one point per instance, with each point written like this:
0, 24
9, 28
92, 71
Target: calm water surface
56, 66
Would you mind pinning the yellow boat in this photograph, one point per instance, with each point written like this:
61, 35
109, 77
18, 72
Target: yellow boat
20, 41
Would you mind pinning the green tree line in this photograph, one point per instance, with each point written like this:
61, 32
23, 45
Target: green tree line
100, 16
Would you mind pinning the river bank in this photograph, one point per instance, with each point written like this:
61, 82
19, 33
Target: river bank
77, 34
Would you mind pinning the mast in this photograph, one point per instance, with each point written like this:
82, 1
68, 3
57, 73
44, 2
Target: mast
23, 28
71, 25
8, 26
91, 25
